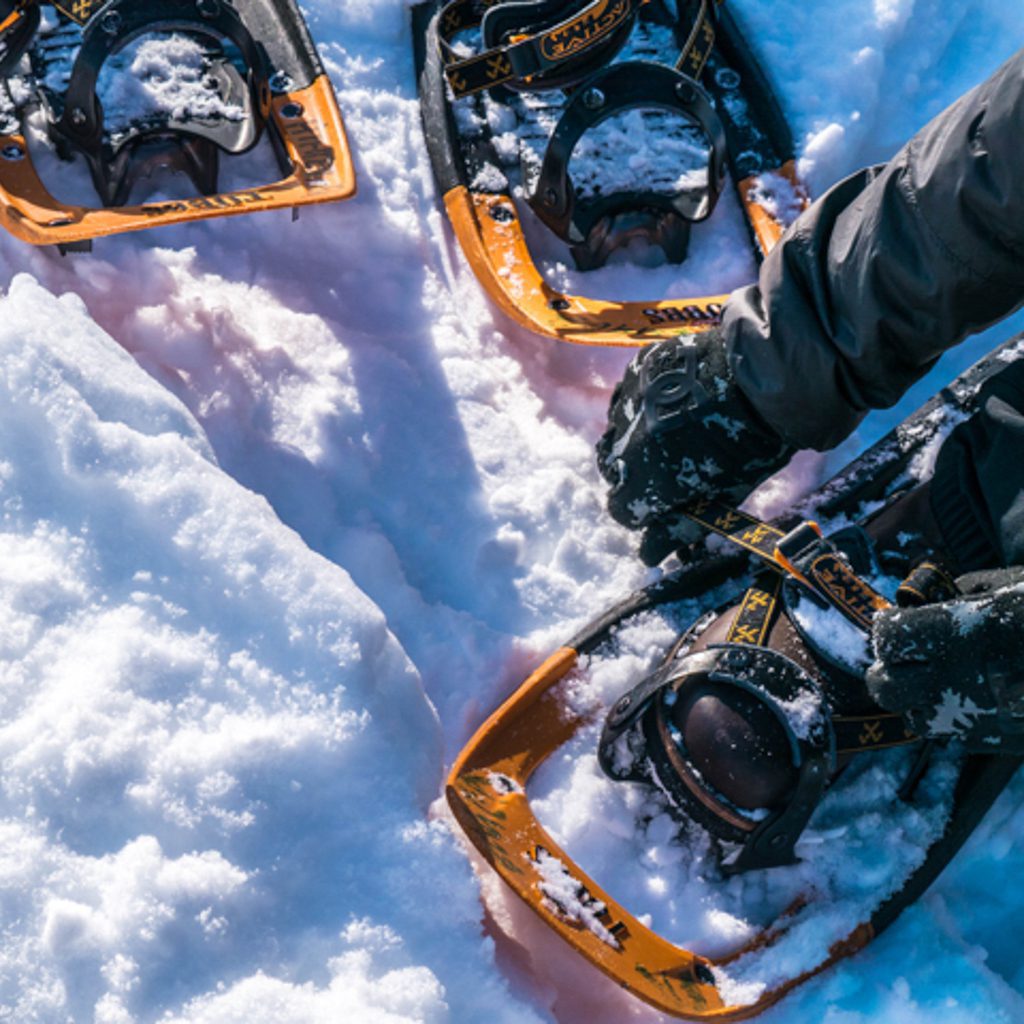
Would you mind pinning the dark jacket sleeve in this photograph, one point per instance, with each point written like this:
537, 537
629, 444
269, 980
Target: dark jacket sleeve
887, 270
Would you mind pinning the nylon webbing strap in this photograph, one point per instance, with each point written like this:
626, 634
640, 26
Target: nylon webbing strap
700, 42
78, 10
527, 55
802, 553
750, 533
844, 589
927, 583
755, 614
854, 733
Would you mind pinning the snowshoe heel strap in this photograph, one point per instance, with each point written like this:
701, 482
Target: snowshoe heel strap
824, 568
804, 554
597, 225
531, 44
80, 124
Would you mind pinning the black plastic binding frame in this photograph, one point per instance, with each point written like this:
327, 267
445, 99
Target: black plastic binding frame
595, 226
190, 144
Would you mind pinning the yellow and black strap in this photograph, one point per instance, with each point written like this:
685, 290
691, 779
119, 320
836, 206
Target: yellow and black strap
927, 583
700, 42
526, 55
854, 733
802, 553
756, 612
79, 11
837, 582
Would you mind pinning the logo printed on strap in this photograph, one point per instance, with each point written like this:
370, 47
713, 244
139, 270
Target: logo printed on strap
847, 591
727, 520
698, 47
592, 25
539, 53
452, 20
755, 536
80, 10
458, 82
499, 66
856, 733
827, 574
871, 733
755, 615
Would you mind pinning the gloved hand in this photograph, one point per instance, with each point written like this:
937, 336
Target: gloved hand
679, 429
957, 668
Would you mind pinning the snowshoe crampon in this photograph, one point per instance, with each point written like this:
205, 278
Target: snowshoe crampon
753, 721
544, 79
247, 71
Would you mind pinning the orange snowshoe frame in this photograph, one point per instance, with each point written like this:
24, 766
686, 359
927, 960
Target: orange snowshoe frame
487, 788
487, 792
302, 117
487, 224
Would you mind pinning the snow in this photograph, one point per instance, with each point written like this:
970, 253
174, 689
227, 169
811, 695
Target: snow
956, 714
286, 510
168, 75
568, 898
831, 632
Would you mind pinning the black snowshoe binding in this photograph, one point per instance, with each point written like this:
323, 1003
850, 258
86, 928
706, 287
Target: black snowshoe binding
184, 142
761, 703
757, 733
247, 69
547, 75
533, 45
556, 51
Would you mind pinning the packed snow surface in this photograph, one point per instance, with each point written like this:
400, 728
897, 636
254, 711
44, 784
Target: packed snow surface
286, 510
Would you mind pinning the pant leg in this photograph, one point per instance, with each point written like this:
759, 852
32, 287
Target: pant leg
977, 492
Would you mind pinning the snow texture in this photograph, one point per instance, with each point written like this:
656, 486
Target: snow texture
161, 75
832, 633
286, 511
567, 897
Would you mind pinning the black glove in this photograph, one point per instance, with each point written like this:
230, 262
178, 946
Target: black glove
957, 668
679, 429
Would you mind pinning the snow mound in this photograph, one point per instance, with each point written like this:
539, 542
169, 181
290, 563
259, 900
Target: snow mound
217, 758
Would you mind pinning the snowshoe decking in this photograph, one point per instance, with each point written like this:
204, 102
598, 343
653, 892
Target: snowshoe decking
487, 787
560, 71
262, 74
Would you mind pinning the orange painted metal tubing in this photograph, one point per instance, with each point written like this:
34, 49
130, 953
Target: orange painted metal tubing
491, 236
487, 793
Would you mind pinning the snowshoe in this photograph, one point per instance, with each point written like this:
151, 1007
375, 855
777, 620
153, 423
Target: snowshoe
756, 734
516, 98
162, 97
